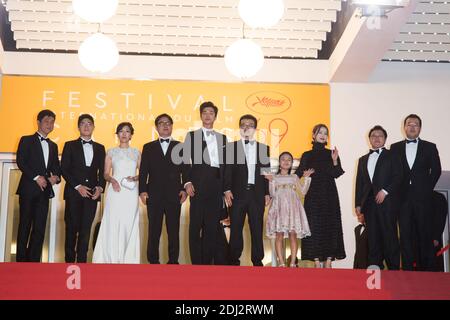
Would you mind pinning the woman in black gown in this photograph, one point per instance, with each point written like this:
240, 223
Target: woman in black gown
322, 207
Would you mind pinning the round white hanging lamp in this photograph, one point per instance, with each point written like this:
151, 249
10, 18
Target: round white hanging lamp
261, 13
98, 53
96, 11
244, 58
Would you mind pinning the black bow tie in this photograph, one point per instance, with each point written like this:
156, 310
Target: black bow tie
44, 139
164, 140
376, 151
411, 141
251, 142
84, 142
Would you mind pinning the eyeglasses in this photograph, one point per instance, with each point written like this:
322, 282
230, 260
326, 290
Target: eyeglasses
247, 126
164, 123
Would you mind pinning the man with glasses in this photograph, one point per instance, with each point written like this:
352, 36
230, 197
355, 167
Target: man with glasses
421, 172
161, 189
247, 191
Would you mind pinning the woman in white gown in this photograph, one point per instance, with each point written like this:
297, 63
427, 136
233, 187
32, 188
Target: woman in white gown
118, 239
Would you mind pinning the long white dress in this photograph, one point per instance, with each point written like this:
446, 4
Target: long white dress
118, 238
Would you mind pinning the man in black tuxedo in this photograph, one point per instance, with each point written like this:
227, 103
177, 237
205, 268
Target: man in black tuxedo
82, 164
378, 180
161, 189
37, 159
421, 172
247, 191
203, 156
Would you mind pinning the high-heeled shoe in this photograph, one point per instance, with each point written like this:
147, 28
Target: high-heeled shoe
282, 265
293, 265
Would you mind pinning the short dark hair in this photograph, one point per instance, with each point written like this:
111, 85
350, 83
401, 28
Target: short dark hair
164, 115
124, 124
279, 162
209, 104
85, 116
413, 116
378, 128
45, 113
249, 117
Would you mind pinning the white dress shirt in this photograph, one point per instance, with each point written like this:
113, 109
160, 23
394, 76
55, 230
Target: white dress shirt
88, 150
372, 163
250, 157
411, 152
362, 229
164, 145
213, 149
45, 149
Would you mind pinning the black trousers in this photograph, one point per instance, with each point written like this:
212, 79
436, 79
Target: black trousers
247, 205
33, 218
203, 226
155, 211
79, 215
381, 222
415, 234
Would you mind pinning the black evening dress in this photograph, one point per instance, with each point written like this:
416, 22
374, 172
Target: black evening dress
322, 206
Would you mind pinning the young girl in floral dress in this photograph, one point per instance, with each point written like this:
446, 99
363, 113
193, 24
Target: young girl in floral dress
287, 217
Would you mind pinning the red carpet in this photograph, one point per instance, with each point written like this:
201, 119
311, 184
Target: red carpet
186, 282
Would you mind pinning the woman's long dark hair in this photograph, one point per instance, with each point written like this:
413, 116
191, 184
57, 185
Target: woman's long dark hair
279, 162
316, 130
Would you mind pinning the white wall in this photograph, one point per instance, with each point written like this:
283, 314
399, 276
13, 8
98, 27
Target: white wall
163, 68
394, 91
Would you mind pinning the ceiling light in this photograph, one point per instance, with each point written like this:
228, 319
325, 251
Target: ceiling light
244, 58
261, 13
96, 11
98, 53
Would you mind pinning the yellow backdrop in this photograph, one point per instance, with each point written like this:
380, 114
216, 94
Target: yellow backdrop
286, 113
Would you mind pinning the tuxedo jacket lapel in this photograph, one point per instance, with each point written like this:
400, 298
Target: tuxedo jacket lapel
241, 158
259, 154
94, 155
403, 156
51, 155
160, 148
169, 149
220, 146
418, 154
205, 151
241, 152
365, 160
37, 145
80, 150
377, 166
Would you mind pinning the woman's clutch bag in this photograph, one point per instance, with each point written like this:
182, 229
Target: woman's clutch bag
128, 184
